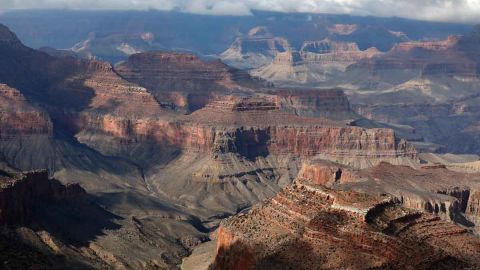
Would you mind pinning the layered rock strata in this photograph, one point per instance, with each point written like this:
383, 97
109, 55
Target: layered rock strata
180, 80
307, 226
18, 117
449, 195
325, 51
327, 103
315, 62
255, 49
428, 58
257, 124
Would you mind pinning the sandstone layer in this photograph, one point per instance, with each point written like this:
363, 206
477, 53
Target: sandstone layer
308, 226
315, 62
433, 189
180, 80
18, 117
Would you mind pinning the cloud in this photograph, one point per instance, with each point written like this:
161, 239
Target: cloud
237, 8
441, 10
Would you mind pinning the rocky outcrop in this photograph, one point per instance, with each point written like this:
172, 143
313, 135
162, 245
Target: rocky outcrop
350, 145
114, 47
325, 51
435, 191
442, 45
312, 103
331, 103
18, 117
181, 80
241, 148
472, 209
26, 131
429, 189
170, 68
418, 87
255, 49
428, 58
437, 80
471, 167
343, 29
326, 173
418, 104
21, 193
315, 62
341, 230
8, 38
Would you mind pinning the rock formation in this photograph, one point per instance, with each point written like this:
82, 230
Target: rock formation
428, 188
343, 29
436, 79
257, 48
61, 226
268, 133
428, 58
21, 193
262, 120
325, 51
327, 103
316, 61
180, 80
27, 202
307, 225
18, 117
114, 47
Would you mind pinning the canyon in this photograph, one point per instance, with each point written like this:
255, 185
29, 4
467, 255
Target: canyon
301, 153
154, 165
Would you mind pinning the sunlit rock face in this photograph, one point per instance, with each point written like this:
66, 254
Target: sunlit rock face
326, 227
430, 189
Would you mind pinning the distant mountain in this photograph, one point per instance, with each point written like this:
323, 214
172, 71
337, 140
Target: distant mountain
114, 35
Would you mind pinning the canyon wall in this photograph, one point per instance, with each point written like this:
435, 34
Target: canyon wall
325, 51
429, 58
18, 117
307, 225
251, 127
179, 80
21, 193
331, 104
429, 189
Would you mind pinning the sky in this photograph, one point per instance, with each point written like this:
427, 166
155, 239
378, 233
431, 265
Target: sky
436, 10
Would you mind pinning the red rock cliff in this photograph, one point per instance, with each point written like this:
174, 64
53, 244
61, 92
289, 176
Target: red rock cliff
252, 127
18, 117
307, 225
